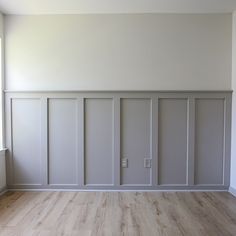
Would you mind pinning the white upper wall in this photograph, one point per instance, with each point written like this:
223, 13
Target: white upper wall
119, 52
1, 87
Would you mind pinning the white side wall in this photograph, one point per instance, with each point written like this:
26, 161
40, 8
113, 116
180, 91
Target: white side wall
2, 153
233, 143
119, 52
1, 79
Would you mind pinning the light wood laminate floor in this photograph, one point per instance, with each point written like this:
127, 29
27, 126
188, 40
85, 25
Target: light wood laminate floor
117, 213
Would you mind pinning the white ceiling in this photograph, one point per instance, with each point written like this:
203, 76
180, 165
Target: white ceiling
115, 6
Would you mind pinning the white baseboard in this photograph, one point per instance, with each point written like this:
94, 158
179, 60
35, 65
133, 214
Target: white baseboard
232, 191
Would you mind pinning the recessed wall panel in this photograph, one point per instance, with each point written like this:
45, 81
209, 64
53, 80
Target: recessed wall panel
63, 161
172, 158
98, 121
135, 140
26, 130
209, 141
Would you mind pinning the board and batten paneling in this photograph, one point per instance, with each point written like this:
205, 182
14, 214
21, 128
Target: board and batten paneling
26, 133
209, 144
172, 158
135, 140
98, 141
63, 161
118, 140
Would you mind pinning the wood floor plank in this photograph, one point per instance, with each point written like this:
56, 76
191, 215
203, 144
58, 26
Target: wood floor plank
117, 213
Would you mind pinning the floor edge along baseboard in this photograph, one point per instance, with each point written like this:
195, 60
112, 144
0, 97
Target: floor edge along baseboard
117, 190
3, 190
232, 191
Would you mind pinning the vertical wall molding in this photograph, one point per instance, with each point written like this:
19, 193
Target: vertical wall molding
154, 132
80, 145
190, 141
105, 108
116, 141
224, 145
227, 139
44, 141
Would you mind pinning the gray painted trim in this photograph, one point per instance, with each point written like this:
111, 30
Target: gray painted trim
44, 141
116, 96
136, 185
147, 95
151, 142
82, 136
227, 138
154, 140
78, 141
117, 91
80, 144
116, 142
224, 143
190, 141
113, 142
99, 185
56, 185
116, 190
120, 188
232, 191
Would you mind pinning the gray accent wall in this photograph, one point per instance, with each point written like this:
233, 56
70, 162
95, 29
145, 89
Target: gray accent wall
118, 140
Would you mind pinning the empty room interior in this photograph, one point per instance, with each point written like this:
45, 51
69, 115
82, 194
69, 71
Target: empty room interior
117, 117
